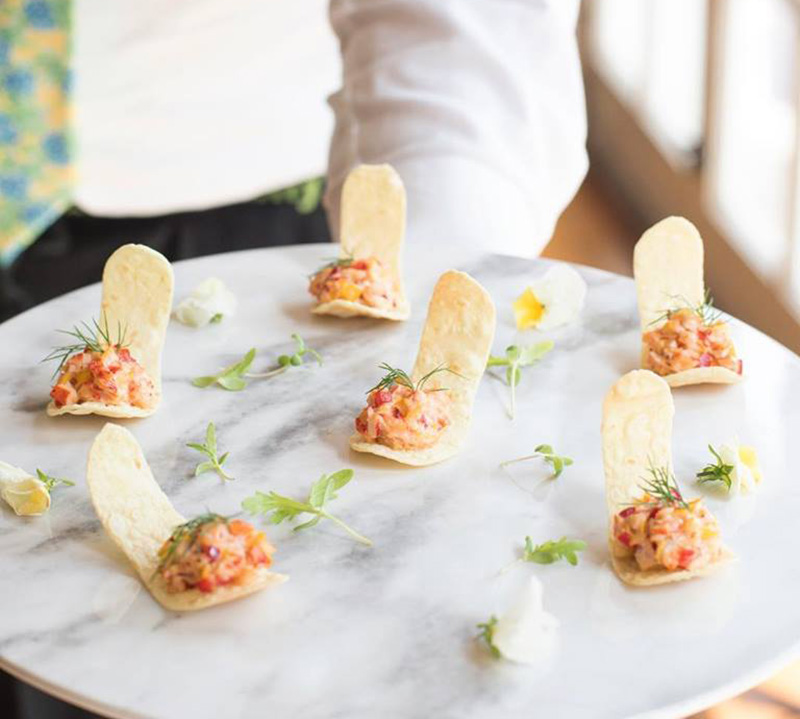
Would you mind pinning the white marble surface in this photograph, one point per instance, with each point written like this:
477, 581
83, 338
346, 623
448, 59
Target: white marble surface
388, 631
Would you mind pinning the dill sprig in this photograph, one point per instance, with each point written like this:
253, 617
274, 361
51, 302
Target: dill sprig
331, 262
395, 375
662, 487
95, 337
188, 530
717, 472
705, 310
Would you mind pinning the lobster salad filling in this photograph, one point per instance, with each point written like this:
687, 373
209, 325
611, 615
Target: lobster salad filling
687, 341
365, 281
405, 415
212, 551
660, 532
109, 375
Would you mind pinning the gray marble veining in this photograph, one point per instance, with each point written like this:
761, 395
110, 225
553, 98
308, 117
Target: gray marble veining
388, 631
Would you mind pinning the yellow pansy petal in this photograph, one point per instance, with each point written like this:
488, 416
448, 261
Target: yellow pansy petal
27, 497
528, 311
749, 458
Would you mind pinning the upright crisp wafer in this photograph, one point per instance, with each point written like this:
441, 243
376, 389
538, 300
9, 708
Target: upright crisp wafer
668, 268
137, 296
139, 517
373, 224
458, 335
637, 434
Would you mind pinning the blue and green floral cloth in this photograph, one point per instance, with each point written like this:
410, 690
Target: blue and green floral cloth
35, 147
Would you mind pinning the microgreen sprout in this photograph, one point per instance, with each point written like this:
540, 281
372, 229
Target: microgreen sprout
209, 448
515, 359
234, 377
545, 452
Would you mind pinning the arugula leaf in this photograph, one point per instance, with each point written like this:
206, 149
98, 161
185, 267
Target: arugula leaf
486, 634
231, 377
214, 463
546, 452
515, 359
716, 472
553, 550
278, 508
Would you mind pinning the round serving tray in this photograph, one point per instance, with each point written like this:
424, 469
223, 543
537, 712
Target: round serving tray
388, 631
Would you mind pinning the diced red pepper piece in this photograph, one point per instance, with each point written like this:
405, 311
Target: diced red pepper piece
627, 512
624, 538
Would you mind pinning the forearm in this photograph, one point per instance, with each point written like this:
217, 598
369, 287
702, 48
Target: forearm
477, 103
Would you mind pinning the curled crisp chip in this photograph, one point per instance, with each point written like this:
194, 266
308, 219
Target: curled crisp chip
137, 296
637, 435
373, 225
668, 268
458, 335
139, 517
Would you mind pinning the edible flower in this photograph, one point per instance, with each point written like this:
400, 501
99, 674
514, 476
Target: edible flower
552, 300
27, 495
209, 302
736, 466
526, 634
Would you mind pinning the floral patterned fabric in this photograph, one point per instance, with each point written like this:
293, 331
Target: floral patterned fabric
35, 146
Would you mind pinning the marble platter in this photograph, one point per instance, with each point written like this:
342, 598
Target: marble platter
388, 631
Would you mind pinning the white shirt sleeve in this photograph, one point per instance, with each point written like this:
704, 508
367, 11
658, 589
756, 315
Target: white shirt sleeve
479, 106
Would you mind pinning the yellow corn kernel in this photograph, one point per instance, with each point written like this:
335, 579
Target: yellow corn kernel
349, 291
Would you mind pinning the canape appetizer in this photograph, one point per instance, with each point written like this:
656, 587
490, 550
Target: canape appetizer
684, 339
655, 535
186, 565
423, 418
113, 365
367, 277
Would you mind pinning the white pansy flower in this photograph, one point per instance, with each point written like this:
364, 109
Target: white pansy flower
27, 495
210, 301
526, 634
552, 300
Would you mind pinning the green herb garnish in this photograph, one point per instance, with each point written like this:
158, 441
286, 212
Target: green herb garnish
50, 482
214, 463
553, 550
322, 491
217, 318
717, 472
292, 360
486, 634
395, 376
546, 452
233, 377
95, 337
515, 359
188, 530
331, 262
705, 310
663, 487
230, 377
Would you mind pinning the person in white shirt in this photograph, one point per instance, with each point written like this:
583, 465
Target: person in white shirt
477, 103
186, 111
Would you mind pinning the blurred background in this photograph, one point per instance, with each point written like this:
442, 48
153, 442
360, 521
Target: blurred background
693, 109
